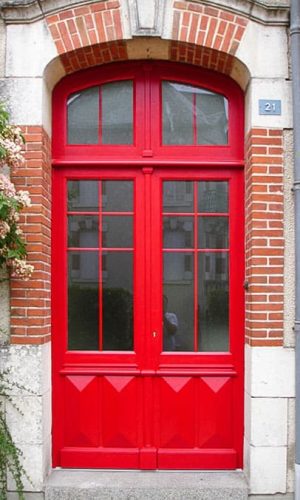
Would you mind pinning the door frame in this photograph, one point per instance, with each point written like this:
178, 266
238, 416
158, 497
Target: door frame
71, 363
148, 156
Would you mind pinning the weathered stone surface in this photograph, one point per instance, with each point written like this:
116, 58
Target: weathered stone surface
24, 99
109, 485
28, 496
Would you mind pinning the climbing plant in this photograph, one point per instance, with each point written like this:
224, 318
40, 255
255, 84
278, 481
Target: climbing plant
10, 454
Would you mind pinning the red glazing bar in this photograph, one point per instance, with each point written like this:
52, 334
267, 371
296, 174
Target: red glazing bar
100, 271
194, 119
195, 268
100, 115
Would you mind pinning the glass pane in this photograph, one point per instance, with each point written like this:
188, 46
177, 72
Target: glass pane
117, 113
117, 196
177, 104
178, 232
212, 118
178, 196
83, 231
83, 117
213, 196
213, 232
213, 302
83, 301
178, 302
117, 232
83, 196
117, 301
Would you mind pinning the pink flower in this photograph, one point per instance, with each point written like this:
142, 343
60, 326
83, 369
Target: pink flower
20, 269
23, 198
4, 229
7, 187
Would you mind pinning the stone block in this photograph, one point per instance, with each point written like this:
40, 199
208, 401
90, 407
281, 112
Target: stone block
268, 469
29, 367
33, 464
272, 61
270, 372
268, 422
269, 88
28, 496
291, 459
151, 485
25, 419
24, 99
40, 49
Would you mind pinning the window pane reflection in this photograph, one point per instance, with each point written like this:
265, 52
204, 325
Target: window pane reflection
117, 301
117, 231
178, 302
117, 113
193, 115
117, 196
213, 196
177, 102
83, 196
213, 232
213, 302
178, 232
83, 231
83, 301
178, 196
83, 117
212, 118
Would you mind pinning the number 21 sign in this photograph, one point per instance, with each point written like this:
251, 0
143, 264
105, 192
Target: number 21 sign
269, 107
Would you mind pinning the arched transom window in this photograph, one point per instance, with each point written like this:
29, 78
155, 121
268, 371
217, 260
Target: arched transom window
148, 111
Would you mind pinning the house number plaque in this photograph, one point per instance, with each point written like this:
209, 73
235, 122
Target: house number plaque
269, 107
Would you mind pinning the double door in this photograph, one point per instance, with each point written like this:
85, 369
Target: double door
148, 321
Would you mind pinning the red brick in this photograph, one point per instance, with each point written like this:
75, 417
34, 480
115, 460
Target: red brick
210, 11
52, 19
112, 5
96, 7
66, 14
81, 11
180, 5
226, 15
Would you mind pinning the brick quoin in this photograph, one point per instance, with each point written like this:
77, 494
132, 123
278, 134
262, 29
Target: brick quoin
30, 300
264, 237
88, 36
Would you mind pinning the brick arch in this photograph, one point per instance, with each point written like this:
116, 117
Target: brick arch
94, 34
208, 27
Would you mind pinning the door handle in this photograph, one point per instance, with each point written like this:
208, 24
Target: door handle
154, 334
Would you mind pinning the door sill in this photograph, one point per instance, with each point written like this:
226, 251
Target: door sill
70, 484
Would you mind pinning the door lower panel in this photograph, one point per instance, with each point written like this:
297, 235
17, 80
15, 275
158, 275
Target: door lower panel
149, 422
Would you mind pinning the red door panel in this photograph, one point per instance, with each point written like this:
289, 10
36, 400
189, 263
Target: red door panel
151, 403
80, 424
120, 419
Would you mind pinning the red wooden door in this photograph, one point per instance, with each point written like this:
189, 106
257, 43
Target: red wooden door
149, 318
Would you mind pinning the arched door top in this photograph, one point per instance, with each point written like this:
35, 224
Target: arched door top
182, 113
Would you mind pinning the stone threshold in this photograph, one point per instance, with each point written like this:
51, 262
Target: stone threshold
74, 484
